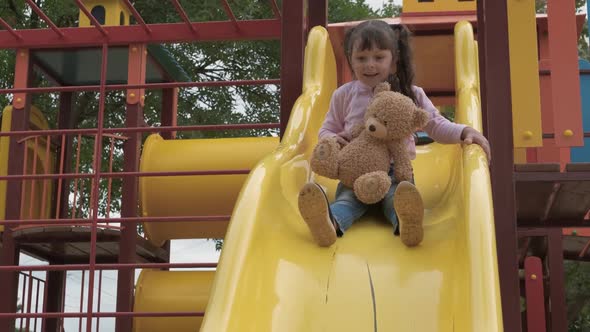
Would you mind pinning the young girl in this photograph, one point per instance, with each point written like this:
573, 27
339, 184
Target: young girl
376, 52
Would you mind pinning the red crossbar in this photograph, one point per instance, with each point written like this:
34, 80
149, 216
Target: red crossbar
183, 15
111, 87
8, 28
230, 13
44, 17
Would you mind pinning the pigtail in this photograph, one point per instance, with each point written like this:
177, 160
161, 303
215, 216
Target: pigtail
403, 79
348, 45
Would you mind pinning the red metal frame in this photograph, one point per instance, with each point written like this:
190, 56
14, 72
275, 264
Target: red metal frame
230, 13
10, 30
535, 295
101, 36
183, 15
292, 48
111, 87
161, 33
495, 67
290, 28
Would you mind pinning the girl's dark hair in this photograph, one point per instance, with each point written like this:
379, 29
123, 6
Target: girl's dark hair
396, 38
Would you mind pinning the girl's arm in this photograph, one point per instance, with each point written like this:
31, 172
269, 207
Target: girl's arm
333, 125
334, 121
445, 131
438, 127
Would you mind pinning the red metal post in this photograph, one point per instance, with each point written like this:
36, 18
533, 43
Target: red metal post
535, 295
497, 97
99, 298
481, 28
82, 286
131, 151
9, 252
558, 308
54, 299
55, 285
67, 119
94, 195
169, 111
318, 13
292, 49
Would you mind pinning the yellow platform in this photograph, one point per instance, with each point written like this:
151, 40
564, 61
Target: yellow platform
272, 277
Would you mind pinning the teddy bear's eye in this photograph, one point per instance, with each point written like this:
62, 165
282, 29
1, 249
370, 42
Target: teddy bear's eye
385, 123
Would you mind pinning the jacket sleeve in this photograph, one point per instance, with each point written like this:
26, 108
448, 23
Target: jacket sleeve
334, 121
438, 127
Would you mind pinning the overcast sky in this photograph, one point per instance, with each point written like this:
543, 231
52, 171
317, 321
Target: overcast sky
378, 3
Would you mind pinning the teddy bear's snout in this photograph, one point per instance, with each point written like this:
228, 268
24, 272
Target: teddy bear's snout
376, 128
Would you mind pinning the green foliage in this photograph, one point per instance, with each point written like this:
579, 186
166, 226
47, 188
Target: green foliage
356, 10
578, 295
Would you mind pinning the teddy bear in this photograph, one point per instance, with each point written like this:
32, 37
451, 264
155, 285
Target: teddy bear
363, 164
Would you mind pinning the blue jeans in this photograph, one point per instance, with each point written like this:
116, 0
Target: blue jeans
346, 208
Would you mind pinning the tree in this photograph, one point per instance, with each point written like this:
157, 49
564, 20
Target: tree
578, 295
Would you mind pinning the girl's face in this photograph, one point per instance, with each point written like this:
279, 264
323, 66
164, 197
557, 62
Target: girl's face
371, 66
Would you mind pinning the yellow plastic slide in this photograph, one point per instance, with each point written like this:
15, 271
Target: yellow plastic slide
272, 277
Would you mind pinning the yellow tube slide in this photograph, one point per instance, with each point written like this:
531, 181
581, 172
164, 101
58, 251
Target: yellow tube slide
272, 277
203, 195
171, 291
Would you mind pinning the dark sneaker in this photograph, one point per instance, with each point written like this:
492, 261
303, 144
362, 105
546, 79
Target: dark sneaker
410, 212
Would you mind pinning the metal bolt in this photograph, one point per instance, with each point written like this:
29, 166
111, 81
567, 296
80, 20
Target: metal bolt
568, 133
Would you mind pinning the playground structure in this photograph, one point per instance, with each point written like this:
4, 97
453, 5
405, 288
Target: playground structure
482, 226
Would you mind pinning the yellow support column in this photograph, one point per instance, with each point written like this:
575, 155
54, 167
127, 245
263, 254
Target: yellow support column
524, 74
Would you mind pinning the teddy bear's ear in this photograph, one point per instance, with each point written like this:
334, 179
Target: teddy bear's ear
421, 117
381, 87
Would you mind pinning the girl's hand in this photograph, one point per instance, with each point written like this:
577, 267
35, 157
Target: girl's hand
343, 138
470, 136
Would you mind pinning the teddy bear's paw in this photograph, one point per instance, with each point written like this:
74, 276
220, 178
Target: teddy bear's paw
326, 149
324, 160
372, 187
